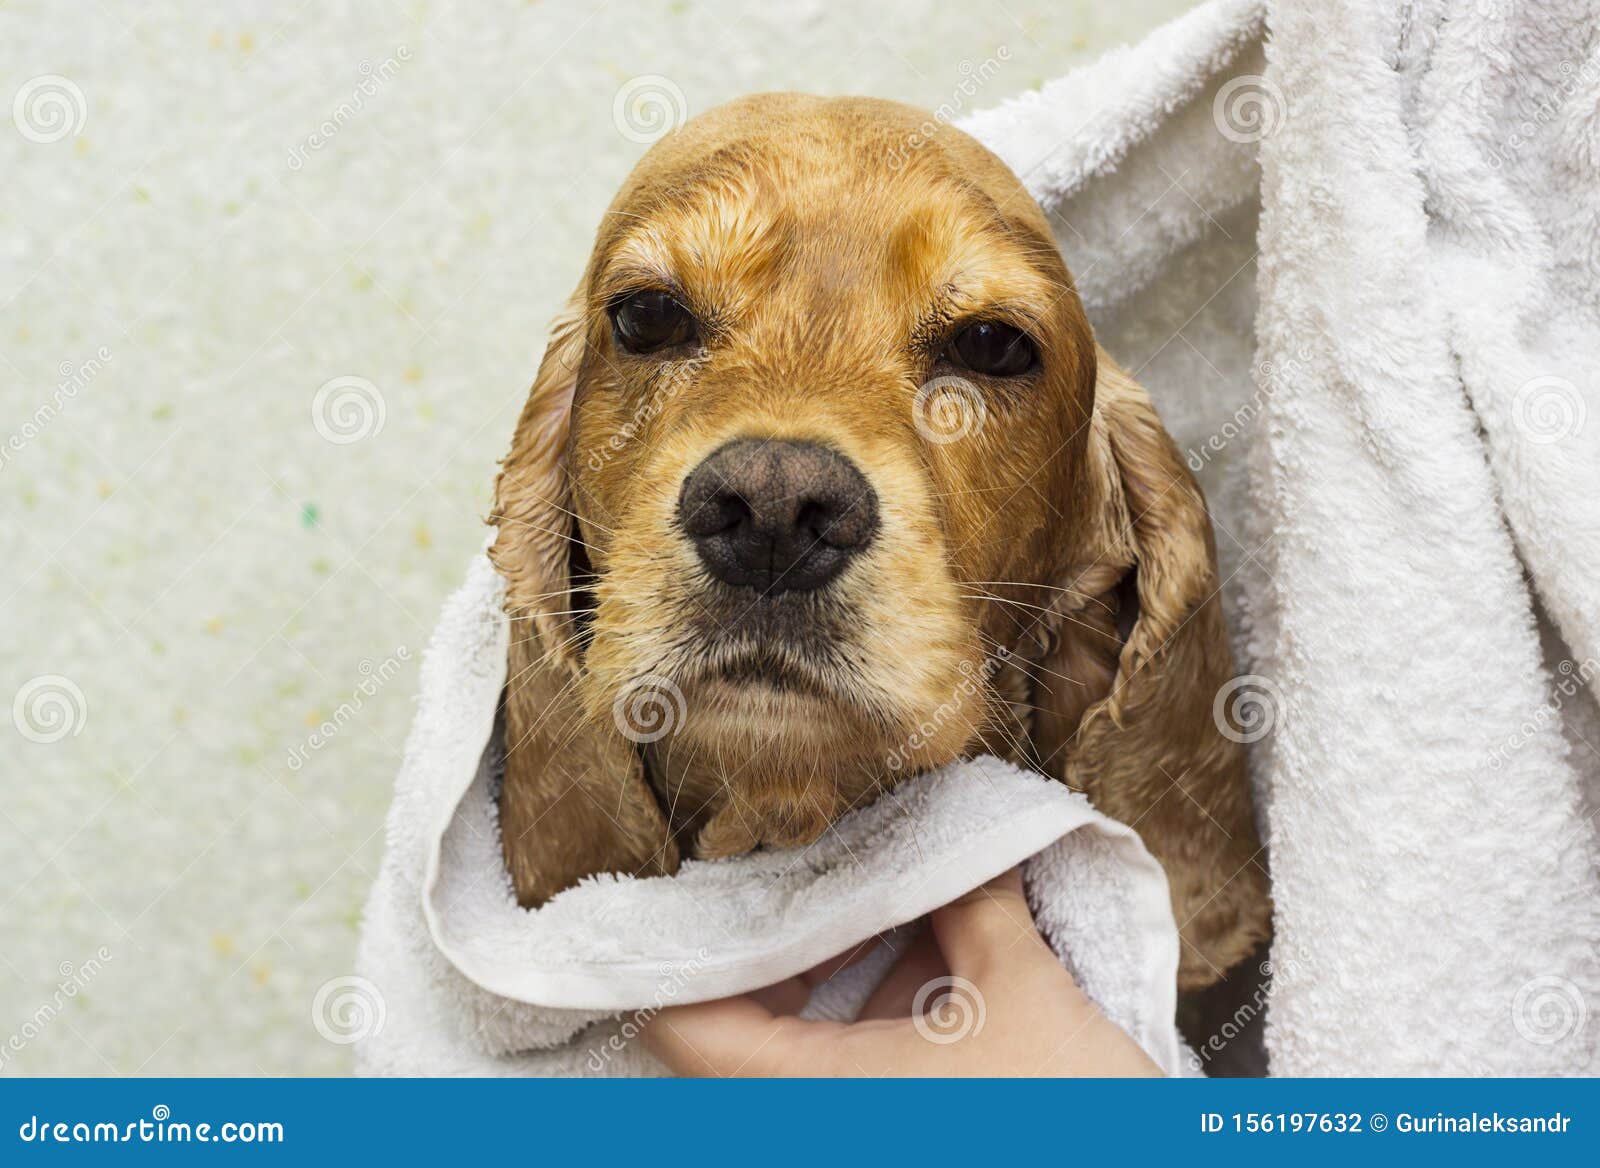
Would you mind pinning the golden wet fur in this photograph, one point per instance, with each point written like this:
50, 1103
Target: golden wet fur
827, 265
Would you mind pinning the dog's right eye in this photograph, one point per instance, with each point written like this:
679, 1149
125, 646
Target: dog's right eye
994, 348
647, 321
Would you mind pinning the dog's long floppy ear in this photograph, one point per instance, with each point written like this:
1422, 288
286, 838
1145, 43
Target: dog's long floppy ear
1124, 702
575, 799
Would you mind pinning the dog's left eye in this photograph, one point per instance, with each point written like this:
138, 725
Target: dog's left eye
994, 348
647, 321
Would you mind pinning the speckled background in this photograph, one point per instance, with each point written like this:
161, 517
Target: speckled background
203, 560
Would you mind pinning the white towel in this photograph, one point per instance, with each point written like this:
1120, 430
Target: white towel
466, 982
1417, 267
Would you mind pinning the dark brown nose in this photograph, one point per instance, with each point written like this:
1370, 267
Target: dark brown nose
777, 516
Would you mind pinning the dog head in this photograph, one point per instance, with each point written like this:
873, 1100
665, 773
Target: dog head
823, 482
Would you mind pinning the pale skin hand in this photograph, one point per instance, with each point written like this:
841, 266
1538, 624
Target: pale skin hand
1036, 1021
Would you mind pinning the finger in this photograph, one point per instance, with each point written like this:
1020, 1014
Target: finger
990, 931
711, 1038
820, 973
736, 1037
786, 997
791, 995
920, 964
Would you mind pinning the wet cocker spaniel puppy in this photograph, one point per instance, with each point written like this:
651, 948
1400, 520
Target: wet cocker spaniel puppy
824, 481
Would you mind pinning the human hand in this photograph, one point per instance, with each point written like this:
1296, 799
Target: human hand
1026, 1016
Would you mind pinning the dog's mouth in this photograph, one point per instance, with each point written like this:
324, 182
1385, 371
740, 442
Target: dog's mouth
766, 666
794, 644
784, 673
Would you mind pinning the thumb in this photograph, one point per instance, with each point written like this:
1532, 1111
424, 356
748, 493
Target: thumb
739, 1037
989, 934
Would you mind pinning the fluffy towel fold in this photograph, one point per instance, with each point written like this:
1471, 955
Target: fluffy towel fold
473, 984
